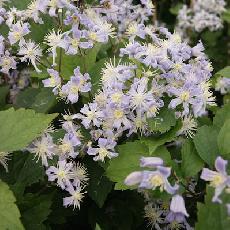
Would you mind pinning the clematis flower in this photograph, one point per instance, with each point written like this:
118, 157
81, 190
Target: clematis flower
31, 52
75, 198
158, 178
178, 213
218, 179
105, 149
54, 81
152, 179
61, 173
17, 31
7, 62
78, 83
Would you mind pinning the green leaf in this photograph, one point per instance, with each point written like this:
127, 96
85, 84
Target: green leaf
154, 142
163, 121
206, 143
97, 227
212, 215
224, 138
175, 9
85, 61
191, 162
27, 171
225, 72
221, 116
20, 127
4, 90
9, 213
95, 74
24, 171
99, 186
21, 5
39, 99
35, 210
127, 162
226, 16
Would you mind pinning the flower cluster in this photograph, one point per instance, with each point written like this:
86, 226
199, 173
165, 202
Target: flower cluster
84, 31
201, 15
70, 176
162, 215
124, 13
69, 91
134, 92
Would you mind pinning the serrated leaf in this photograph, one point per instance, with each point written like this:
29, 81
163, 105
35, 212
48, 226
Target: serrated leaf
20, 127
221, 116
99, 186
224, 138
35, 210
191, 162
9, 213
212, 215
163, 121
39, 99
154, 142
206, 143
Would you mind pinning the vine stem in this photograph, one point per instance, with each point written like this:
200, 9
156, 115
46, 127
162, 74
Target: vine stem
60, 16
154, 18
192, 3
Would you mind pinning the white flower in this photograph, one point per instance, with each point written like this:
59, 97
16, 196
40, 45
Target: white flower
43, 148
31, 52
4, 157
76, 196
54, 40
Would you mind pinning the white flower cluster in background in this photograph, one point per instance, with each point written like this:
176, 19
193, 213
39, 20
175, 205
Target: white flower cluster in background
201, 15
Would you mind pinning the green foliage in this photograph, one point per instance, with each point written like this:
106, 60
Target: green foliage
39, 99
4, 90
206, 143
24, 171
226, 16
224, 138
21, 5
221, 116
35, 210
127, 162
225, 72
191, 162
212, 215
156, 141
99, 185
84, 60
20, 127
163, 121
95, 73
175, 9
9, 213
